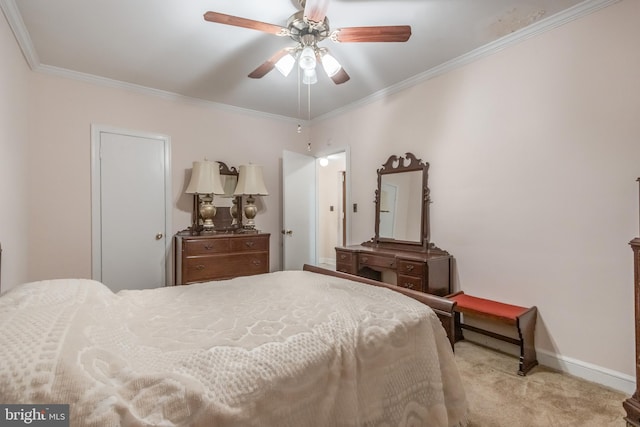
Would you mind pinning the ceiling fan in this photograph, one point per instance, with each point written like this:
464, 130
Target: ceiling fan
307, 28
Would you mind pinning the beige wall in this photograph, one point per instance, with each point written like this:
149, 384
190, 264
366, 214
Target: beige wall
62, 111
534, 153
14, 75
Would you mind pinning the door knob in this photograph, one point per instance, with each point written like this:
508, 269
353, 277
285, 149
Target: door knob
287, 232
159, 236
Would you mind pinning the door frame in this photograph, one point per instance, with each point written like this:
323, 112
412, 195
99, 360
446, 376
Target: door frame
311, 210
96, 206
346, 197
339, 228
346, 188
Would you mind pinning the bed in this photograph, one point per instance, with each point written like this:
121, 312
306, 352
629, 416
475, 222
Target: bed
294, 348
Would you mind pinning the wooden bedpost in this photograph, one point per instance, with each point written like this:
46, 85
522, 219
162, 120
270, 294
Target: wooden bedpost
632, 404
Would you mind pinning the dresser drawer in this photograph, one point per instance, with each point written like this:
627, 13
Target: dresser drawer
247, 264
249, 243
377, 261
198, 247
344, 257
201, 268
346, 262
216, 267
345, 268
410, 282
411, 268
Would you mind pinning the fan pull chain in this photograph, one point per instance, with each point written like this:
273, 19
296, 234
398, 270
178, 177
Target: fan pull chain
309, 113
309, 102
299, 108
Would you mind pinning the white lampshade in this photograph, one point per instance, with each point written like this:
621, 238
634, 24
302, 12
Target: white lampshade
307, 60
250, 181
205, 178
330, 65
285, 64
310, 77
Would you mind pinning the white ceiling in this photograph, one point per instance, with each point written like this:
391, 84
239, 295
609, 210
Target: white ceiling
167, 46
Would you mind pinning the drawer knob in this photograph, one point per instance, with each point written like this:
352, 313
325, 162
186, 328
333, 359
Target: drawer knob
408, 285
365, 259
256, 262
410, 267
249, 243
200, 267
208, 246
343, 256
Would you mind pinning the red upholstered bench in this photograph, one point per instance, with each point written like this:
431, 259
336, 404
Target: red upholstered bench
522, 317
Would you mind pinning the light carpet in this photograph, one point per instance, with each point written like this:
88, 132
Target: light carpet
499, 397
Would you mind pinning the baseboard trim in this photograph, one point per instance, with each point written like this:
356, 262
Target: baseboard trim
578, 368
328, 261
588, 371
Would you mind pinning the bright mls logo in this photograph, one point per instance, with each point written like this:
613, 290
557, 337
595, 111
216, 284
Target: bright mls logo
34, 415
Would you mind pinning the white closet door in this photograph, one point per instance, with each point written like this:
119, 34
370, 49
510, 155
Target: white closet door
130, 209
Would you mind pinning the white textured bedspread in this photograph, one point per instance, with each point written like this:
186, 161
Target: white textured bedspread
281, 349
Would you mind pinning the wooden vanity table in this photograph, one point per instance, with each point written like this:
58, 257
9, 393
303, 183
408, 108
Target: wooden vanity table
401, 244
424, 272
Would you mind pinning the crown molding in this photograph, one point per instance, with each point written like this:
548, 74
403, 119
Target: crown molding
578, 11
144, 90
12, 14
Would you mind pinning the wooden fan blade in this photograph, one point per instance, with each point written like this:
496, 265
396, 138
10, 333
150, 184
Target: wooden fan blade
316, 10
340, 77
268, 65
236, 21
396, 33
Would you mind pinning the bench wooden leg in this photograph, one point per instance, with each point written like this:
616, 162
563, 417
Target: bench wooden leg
526, 324
458, 336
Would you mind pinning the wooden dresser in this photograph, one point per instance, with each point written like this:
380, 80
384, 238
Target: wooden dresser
428, 272
220, 256
632, 404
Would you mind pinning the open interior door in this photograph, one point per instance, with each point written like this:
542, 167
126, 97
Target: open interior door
299, 209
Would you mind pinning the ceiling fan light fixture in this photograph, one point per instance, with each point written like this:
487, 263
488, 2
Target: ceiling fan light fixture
307, 60
330, 64
285, 64
310, 77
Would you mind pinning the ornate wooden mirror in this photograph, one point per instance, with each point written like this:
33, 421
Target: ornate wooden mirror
402, 203
228, 207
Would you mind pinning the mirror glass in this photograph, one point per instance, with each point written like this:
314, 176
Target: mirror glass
229, 184
401, 206
227, 205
